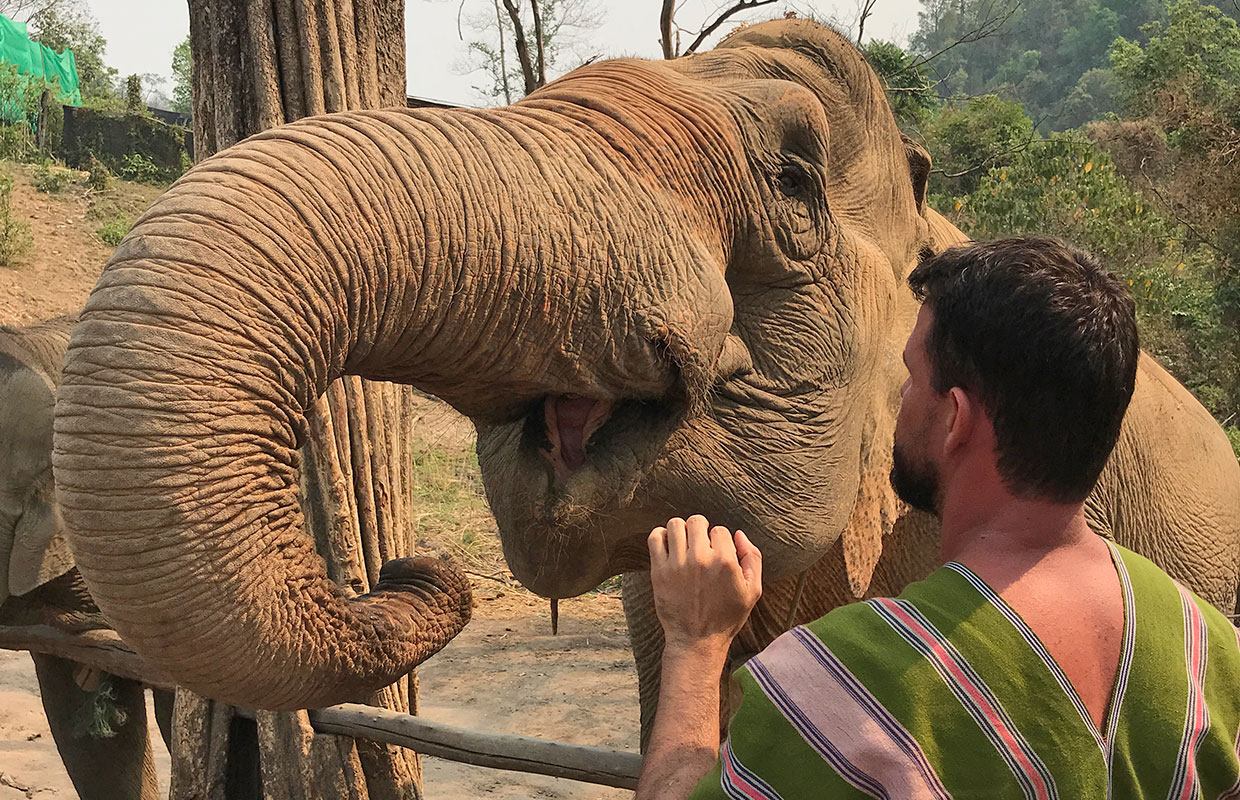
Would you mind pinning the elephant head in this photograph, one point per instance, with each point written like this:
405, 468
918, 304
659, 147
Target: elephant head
792, 441
651, 285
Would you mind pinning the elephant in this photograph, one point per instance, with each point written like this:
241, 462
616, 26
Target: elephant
656, 288
40, 585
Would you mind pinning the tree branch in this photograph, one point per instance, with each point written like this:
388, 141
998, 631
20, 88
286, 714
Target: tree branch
665, 28
538, 35
503, 60
867, 8
988, 27
1174, 212
741, 5
523, 49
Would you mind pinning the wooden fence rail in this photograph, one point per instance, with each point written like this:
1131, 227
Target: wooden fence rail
105, 650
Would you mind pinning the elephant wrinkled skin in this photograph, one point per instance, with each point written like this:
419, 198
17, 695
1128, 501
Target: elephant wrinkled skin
656, 287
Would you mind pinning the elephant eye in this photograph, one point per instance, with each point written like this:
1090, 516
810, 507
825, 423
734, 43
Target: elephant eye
792, 179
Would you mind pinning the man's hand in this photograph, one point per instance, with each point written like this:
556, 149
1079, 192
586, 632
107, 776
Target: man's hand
705, 582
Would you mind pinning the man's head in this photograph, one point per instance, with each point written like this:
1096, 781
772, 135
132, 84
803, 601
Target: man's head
1032, 334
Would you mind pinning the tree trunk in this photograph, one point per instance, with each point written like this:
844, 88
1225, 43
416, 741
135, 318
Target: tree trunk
258, 64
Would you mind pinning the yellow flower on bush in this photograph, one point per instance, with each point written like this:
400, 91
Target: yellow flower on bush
1089, 165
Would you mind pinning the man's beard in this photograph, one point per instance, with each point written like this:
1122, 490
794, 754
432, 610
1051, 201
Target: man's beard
915, 484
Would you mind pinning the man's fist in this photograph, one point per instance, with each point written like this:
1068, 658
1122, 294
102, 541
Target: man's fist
705, 581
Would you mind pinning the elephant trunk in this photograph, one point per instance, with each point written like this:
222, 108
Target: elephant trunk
369, 244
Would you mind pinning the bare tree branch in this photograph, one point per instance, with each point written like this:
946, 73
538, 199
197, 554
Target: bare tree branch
987, 27
503, 60
1175, 213
665, 28
741, 5
523, 50
538, 34
867, 8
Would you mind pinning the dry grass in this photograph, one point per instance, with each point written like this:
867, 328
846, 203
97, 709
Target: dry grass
451, 516
450, 511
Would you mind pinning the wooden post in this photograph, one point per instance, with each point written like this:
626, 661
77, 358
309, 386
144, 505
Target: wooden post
260, 63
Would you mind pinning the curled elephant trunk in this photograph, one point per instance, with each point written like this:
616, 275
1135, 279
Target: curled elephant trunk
486, 257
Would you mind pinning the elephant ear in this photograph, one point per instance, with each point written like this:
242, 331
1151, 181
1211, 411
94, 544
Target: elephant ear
40, 550
874, 515
33, 550
919, 170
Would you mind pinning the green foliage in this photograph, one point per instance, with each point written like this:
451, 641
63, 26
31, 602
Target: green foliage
15, 241
137, 167
19, 112
17, 143
99, 716
1036, 53
100, 176
1066, 186
113, 230
133, 95
1233, 435
182, 74
967, 138
909, 89
50, 179
68, 24
1195, 53
1186, 80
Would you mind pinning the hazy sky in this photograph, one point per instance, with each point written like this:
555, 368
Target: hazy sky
142, 33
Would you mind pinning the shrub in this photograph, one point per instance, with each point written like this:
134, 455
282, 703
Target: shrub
100, 176
17, 143
137, 167
113, 230
1066, 186
51, 179
15, 241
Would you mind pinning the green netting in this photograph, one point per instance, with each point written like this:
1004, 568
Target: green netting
38, 62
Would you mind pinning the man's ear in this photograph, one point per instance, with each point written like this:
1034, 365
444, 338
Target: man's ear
962, 417
918, 169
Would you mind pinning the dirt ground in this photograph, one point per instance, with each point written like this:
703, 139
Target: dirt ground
505, 673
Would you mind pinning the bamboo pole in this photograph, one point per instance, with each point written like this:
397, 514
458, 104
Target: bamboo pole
360, 437
264, 77
308, 37
200, 12
288, 48
200, 730
367, 55
345, 562
101, 649
346, 35
498, 751
332, 65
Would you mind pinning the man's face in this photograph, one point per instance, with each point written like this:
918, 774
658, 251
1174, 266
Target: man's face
914, 472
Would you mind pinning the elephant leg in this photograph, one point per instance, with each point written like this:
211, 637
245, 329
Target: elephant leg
118, 767
646, 639
163, 701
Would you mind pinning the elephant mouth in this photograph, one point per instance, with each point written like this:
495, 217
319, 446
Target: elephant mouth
570, 422
573, 433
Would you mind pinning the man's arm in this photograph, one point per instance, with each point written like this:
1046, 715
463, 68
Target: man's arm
705, 584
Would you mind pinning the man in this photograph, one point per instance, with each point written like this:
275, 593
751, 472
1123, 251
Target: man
1039, 661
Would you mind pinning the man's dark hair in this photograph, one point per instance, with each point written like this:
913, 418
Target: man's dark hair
1047, 340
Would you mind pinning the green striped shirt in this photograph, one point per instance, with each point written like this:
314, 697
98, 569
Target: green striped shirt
945, 692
